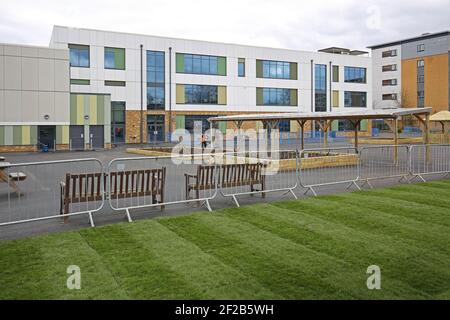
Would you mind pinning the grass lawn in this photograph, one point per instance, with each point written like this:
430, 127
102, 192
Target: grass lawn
317, 248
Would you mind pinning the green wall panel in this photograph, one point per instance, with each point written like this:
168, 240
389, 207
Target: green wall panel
223, 127
363, 126
180, 122
73, 109
58, 135
119, 58
222, 66
2, 135
101, 110
293, 70
335, 125
180, 62
294, 98
259, 69
259, 96
9, 135
17, 135
33, 134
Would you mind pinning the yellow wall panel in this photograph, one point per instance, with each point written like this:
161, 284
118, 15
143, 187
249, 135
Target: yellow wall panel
93, 110
80, 109
436, 82
65, 135
409, 83
180, 94
26, 135
222, 95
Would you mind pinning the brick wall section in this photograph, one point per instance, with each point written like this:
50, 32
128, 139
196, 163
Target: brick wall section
132, 127
28, 148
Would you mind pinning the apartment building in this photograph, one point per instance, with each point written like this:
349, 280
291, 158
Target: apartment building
159, 84
412, 72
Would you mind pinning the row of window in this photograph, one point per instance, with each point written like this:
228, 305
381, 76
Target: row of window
108, 83
80, 57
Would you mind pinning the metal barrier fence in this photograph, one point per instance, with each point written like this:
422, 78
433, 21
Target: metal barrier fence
428, 160
328, 166
39, 191
257, 172
382, 162
144, 182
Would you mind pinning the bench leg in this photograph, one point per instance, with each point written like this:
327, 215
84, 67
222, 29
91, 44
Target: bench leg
65, 212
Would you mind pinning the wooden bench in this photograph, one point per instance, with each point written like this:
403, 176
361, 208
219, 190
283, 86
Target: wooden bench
231, 175
86, 187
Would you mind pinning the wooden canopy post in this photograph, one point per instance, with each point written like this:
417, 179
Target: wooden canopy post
355, 128
395, 141
426, 134
324, 126
302, 123
238, 124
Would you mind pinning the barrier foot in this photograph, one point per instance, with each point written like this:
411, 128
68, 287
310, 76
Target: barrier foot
368, 183
293, 194
356, 185
312, 191
403, 178
235, 200
91, 220
208, 206
127, 213
417, 176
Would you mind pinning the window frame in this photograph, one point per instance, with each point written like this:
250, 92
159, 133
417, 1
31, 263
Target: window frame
73, 46
124, 58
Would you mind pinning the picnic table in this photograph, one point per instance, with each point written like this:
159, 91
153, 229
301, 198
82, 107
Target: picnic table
12, 178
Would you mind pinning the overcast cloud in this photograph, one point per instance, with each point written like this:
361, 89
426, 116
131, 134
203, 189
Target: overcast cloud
304, 25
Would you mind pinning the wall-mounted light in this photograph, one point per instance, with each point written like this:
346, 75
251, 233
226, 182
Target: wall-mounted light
46, 117
86, 117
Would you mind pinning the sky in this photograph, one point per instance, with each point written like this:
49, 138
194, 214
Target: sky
292, 24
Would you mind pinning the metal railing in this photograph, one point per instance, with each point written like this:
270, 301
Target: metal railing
144, 182
257, 172
33, 191
328, 166
428, 160
383, 162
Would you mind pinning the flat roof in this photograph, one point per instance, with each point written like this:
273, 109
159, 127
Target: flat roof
421, 37
441, 116
391, 113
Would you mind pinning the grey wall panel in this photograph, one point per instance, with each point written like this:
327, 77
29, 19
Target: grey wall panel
62, 107
30, 74
30, 106
433, 46
2, 72
2, 105
13, 76
29, 52
13, 106
47, 106
46, 75
62, 75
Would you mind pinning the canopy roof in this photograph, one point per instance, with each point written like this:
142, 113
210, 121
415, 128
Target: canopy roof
392, 113
441, 116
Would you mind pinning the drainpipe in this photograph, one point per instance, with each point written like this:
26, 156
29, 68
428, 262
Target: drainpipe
331, 71
170, 94
141, 122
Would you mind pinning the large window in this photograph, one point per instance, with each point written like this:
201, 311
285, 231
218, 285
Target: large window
201, 64
200, 94
117, 122
155, 80
320, 90
276, 97
197, 123
276, 69
115, 58
389, 53
355, 75
420, 83
355, 99
241, 67
79, 56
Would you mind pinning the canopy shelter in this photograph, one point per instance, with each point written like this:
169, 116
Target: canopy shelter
443, 117
325, 119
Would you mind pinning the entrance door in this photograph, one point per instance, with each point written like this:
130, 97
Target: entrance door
47, 136
76, 134
155, 127
96, 136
